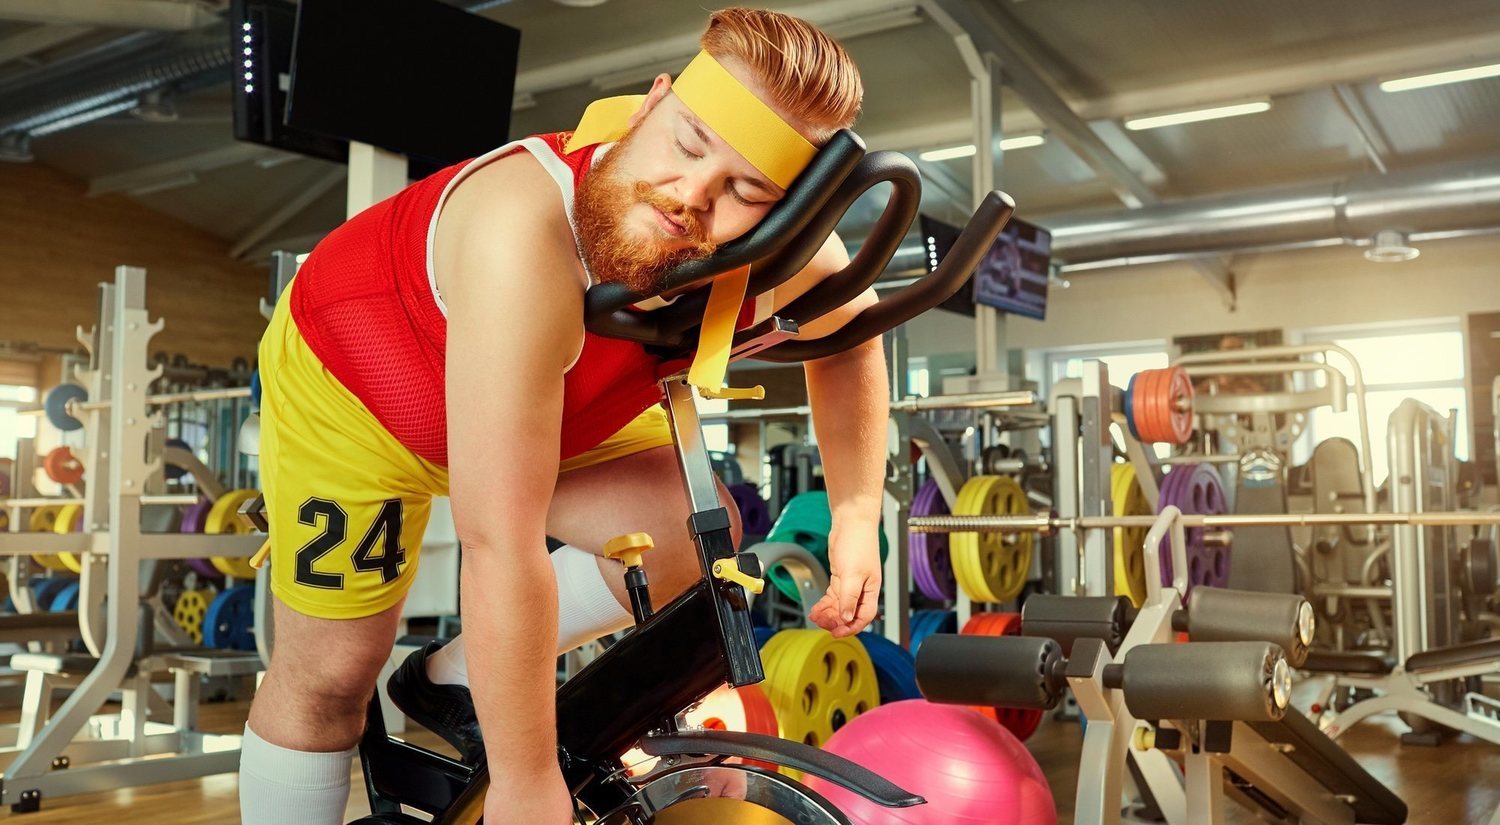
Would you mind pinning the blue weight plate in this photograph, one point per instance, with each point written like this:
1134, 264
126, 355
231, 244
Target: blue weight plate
55, 405
924, 623
763, 635
65, 600
47, 589
1129, 410
255, 390
230, 621
895, 669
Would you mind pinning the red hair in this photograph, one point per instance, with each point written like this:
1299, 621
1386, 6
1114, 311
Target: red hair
804, 74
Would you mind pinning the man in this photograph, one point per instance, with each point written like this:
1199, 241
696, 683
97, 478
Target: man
434, 344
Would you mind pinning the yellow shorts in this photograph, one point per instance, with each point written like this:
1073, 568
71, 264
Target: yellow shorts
347, 503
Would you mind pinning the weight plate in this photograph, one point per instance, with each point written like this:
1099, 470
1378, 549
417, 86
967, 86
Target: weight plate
924, 623
224, 517
1019, 721
1159, 405
66, 599
55, 405
230, 621
895, 669
62, 466
41, 521
806, 521
69, 520
991, 567
193, 517
755, 513
1130, 561
46, 590
1195, 489
255, 390
816, 683
1479, 567
928, 553
189, 611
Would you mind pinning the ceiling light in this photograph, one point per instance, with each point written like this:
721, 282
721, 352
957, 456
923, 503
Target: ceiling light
1422, 81
1176, 118
968, 150
1390, 246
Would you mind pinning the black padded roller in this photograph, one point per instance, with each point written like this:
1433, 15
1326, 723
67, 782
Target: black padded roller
995, 671
1213, 681
1222, 615
1068, 618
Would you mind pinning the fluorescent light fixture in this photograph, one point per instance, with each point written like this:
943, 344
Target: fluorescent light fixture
1422, 81
1176, 118
968, 150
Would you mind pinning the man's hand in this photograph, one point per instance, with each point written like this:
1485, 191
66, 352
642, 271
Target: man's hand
853, 582
543, 800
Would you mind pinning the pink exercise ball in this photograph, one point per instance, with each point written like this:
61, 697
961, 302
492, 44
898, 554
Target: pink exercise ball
970, 770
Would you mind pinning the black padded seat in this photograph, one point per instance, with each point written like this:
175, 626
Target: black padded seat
1333, 768
1468, 653
1366, 664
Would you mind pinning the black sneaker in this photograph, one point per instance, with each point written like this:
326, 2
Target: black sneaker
446, 710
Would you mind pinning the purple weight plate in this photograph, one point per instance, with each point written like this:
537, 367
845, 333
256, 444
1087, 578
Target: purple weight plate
192, 522
1196, 491
932, 569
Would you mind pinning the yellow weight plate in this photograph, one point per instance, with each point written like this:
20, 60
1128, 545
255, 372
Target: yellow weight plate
189, 611
69, 519
816, 683
41, 521
1130, 561
224, 517
991, 567
721, 810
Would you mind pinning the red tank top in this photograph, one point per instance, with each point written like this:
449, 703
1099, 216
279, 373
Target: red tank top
367, 307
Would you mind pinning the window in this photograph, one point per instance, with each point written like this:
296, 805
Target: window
1424, 363
13, 425
1122, 363
715, 435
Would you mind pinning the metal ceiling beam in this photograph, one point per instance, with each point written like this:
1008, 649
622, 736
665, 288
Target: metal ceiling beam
1022, 72
39, 39
833, 16
1370, 136
147, 176
161, 15
306, 196
1281, 79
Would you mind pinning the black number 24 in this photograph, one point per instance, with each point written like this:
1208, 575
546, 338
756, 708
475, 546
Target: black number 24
336, 529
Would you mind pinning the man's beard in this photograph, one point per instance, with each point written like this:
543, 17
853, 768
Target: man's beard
616, 253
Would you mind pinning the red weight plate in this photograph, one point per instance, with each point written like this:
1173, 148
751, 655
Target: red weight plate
62, 467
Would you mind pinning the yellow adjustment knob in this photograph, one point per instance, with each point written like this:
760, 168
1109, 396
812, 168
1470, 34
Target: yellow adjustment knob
628, 548
1144, 738
727, 570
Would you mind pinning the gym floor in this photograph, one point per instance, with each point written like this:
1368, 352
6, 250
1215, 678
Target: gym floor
1463, 787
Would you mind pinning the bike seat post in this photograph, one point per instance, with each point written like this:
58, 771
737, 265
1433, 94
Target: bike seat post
627, 549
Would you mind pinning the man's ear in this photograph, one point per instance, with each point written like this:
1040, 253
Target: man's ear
659, 89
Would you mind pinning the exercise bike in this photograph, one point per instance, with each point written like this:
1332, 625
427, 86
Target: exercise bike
633, 693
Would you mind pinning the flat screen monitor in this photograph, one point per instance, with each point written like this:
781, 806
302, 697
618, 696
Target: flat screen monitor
419, 78
1012, 276
937, 239
261, 33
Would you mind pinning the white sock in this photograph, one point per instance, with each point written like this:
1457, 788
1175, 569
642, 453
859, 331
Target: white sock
586, 610
278, 785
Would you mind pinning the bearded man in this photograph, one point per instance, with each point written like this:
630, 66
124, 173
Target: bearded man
434, 345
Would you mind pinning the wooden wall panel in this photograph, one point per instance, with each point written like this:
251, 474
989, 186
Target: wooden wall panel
56, 244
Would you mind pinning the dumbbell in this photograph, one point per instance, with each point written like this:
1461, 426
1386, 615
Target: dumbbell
1218, 681
1214, 615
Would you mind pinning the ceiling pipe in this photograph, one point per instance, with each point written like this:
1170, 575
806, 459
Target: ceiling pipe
159, 15
1415, 202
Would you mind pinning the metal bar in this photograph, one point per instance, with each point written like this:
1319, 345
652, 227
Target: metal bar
940, 402
1352, 591
1047, 524
38, 502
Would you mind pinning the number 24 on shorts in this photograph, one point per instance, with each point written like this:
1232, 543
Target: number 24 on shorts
387, 524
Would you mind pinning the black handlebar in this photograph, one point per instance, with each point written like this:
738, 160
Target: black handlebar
606, 306
908, 303
788, 237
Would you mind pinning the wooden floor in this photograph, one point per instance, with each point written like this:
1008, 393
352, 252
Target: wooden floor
1455, 784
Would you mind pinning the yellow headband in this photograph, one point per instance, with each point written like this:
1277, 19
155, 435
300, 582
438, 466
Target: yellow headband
732, 111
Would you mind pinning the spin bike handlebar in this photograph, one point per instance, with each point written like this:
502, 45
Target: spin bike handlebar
790, 235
